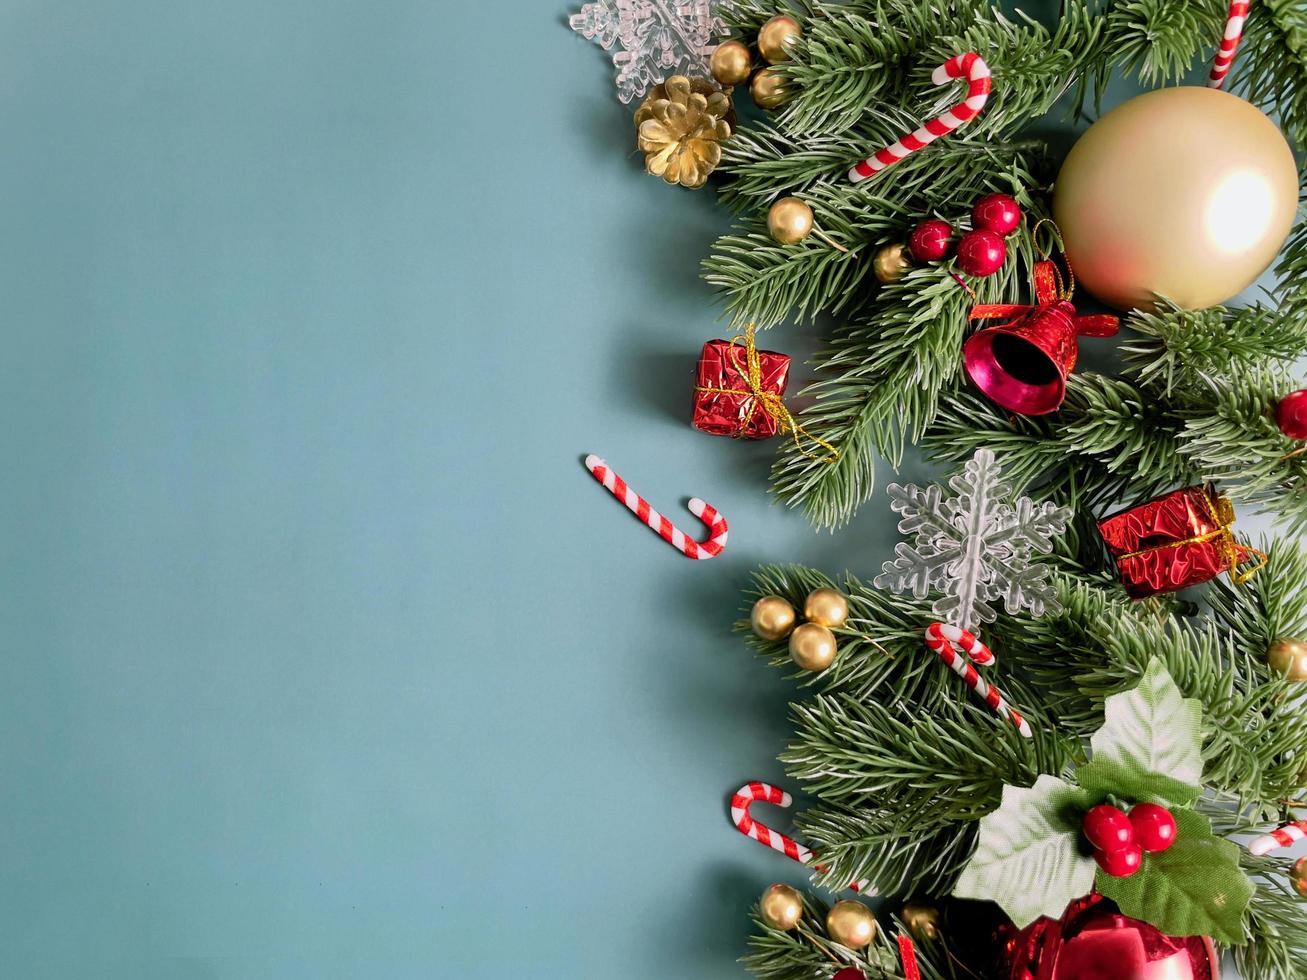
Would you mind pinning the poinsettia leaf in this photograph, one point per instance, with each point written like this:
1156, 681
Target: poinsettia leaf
1029, 858
1194, 888
1150, 746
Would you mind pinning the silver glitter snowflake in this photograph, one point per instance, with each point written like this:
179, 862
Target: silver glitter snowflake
975, 547
657, 38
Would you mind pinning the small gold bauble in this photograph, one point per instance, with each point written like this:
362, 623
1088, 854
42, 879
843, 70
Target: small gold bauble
826, 607
851, 924
781, 907
776, 36
772, 618
789, 221
768, 89
1298, 876
731, 62
812, 647
922, 921
1288, 658
891, 263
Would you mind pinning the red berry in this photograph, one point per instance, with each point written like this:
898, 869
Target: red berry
1108, 829
998, 213
1122, 863
1154, 827
850, 973
931, 240
981, 253
1291, 415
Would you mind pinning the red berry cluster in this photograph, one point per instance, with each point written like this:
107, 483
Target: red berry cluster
1120, 841
981, 251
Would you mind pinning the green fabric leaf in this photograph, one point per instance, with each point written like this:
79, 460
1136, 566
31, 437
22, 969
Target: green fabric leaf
1028, 858
1194, 888
1150, 746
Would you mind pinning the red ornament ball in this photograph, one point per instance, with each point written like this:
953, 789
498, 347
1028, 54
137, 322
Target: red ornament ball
981, 253
1154, 827
1108, 829
1122, 863
850, 973
931, 240
1291, 415
998, 213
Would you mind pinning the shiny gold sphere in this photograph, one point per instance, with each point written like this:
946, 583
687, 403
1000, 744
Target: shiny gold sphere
1288, 658
789, 221
781, 907
731, 62
922, 921
891, 263
768, 89
776, 36
851, 924
1298, 876
826, 607
1183, 192
772, 618
812, 647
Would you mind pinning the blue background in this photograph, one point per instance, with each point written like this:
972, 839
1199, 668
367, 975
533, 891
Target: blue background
323, 655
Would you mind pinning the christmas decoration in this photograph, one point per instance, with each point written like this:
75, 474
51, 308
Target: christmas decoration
1184, 193
772, 618
1286, 835
1175, 541
1288, 658
890, 264
776, 37
781, 907
655, 38
921, 920
981, 253
668, 531
1229, 43
941, 638
826, 607
931, 240
813, 647
1108, 828
851, 924
998, 213
1298, 876
768, 89
849, 973
1023, 365
1291, 414
682, 125
789, 221
1121, 863
1154, 827
975, 547
731, 63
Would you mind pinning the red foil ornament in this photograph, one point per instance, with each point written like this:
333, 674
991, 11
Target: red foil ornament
1176, 541
728, 401
981, 253
1291, 414
1094, 941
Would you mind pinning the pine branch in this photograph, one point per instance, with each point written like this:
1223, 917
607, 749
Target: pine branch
1272, 63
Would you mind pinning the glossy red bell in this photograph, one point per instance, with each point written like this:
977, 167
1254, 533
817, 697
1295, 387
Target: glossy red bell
1023, 365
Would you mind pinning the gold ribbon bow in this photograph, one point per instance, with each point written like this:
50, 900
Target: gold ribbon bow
1221, 513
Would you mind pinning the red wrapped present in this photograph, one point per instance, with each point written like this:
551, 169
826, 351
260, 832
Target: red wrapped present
738, 389
1176, 541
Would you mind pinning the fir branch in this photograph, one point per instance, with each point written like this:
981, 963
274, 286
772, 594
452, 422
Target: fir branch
1158, 40
1272, 63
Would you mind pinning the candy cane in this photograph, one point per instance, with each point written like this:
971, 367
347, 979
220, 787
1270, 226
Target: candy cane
669, 532
1229, 43
766, 793
1284, 836
941, 637
969, 66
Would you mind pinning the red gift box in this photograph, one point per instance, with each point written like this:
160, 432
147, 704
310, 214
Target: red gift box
738, 389
1175, 541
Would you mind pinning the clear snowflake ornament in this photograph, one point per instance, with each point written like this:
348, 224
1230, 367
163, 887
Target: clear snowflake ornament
975, 547
656, 39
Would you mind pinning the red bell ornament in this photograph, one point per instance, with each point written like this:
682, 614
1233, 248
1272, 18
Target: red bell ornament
1022, 365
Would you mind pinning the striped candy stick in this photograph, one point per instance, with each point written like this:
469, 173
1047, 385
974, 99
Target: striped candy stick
751, 793
942, 638
970, 66
668, 531
1229, 43
1283, 836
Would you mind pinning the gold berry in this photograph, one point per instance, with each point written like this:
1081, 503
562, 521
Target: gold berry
851, 924
812, 647
826, 607
768, 89
731, 62
776, 36
789, 221
891, 263
781, 907
922, 921
1288, 658
1298, 876
772, 618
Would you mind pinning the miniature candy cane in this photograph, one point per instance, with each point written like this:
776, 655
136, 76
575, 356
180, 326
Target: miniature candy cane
941, 637
669, 532
792, 849
908, 953
969, 66
1229, 43
1284, 836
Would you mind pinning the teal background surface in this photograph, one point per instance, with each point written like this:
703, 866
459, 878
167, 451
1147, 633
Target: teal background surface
323, 655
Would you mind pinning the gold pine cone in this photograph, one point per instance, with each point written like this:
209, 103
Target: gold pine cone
682, 125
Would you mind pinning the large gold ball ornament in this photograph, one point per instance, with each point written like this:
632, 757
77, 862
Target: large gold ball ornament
776, 36
1187, 193
789, 221
772, 618
891, 263
768, 89
1288, 658
781, 907
851, 924
922, 921
812, 647
826, 607
731, 62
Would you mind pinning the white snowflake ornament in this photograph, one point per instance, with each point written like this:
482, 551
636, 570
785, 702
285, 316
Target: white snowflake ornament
975, 547
657, 39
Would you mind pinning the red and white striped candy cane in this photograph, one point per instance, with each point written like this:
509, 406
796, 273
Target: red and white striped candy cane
970, 66
669, 532
1229, 43
766, 793
1283, 836
941, 638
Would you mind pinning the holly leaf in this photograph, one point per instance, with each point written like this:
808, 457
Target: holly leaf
1028, 858
1151, 745
1194, 888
